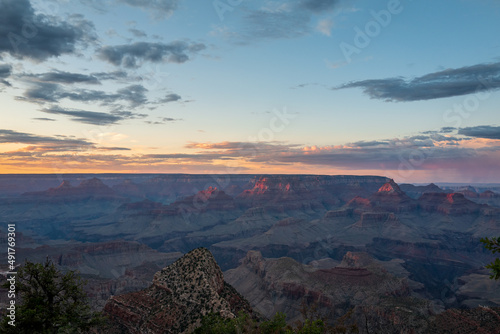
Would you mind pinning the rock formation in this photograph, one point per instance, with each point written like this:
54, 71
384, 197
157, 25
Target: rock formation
180, 295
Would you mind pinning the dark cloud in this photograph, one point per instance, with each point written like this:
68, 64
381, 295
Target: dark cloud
64, 77
482, 131
171, 98
131, 55
92, 117
135, 94
447, 83
114, 149
83, 116
5, 72
138, 33
44, 119
14, 137
369, 143
36, 36
448, 129
158, 8
43, 92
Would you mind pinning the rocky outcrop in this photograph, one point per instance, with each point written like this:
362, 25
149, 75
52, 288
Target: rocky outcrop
377, 219
319, 191
463, 321
281, 285
392, 199
449, 204
180, 295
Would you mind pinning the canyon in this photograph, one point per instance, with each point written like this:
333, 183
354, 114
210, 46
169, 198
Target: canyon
405, 242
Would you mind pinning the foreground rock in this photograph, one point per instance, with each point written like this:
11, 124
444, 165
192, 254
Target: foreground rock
180, 295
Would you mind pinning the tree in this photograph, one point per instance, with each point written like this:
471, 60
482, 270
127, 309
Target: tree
493, 245
48, 301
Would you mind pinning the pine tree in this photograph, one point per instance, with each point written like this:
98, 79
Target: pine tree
49, 301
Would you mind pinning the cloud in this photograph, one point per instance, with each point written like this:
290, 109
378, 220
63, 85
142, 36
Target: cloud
171, 98
43, 92
92, 117
5, 72
318, 6
446, 83
64, 77
325, 27
115, 75
113, 149
158, 8
424, 151
482, 131
138, 33
37, 36
83, 116
432, 155
14, 137
44, 119
279, 20
164, 120
266, 24
132, 55
135, 94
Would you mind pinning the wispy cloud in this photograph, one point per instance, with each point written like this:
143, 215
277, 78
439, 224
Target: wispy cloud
62, 77
137, 33
325, 27
279, 20
132, 55
159, 9
15, 137
83, 116
92, 117
49, 92
446, 83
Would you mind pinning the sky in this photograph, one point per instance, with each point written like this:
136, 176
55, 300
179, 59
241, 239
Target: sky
398, 88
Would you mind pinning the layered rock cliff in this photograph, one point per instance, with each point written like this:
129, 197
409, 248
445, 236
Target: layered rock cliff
282, 285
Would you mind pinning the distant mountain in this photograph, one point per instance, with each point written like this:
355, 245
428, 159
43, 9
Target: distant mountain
93, 187
417, 191
180, 295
